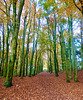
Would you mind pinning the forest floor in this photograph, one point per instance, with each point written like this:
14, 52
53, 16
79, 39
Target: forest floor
44, 86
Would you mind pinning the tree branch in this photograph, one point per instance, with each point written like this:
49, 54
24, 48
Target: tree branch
76, 5
5, 2
20, 8
3, 11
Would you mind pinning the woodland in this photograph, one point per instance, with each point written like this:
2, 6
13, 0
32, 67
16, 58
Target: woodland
41, 41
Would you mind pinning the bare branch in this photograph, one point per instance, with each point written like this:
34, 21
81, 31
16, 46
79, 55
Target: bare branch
76, 5
3, 11
4, 1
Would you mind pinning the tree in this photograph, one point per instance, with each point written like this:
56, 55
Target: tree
2, 68
15, 32
32, 37
33, 50
0, 54
81, 9
7, 37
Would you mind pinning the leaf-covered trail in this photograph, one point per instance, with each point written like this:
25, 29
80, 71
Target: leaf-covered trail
44, 86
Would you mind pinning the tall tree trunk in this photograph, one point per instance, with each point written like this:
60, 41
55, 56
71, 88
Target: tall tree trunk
69, 49
36, 44
7, 51
0, 55
2, 68
48, 62
63, 47
82, 39
33, 50
54, 39
57, 65
50, 67
17, 59
35, 63
72, 41
27, 52
51, 70
38, 65
75, 65
16, 66
7, 44
20, 65
9, 76
81, 1
73, 52
23, 55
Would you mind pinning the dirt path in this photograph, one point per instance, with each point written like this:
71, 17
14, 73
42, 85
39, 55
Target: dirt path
44, 86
